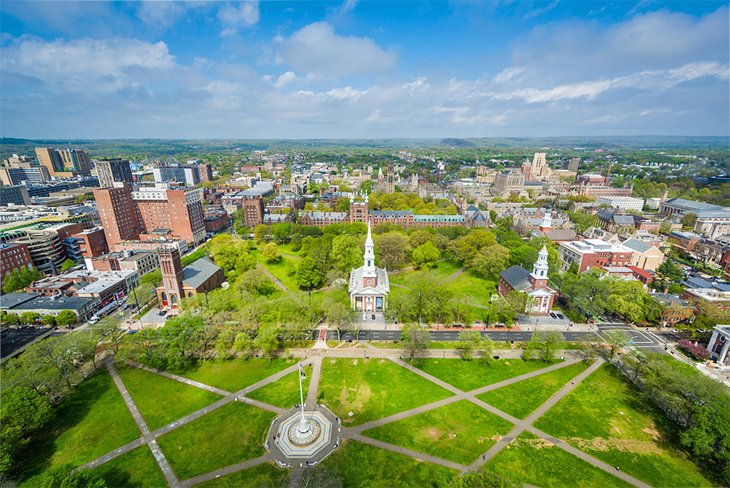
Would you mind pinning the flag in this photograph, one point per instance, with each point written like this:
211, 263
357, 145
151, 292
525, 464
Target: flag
302, 374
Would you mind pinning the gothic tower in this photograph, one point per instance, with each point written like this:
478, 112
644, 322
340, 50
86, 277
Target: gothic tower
172, 273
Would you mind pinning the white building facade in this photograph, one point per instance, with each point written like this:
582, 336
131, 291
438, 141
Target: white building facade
369, 286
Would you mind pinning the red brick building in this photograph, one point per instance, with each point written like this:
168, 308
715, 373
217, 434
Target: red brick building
92, 242
118, 214
253, 211
13, 256
593, 253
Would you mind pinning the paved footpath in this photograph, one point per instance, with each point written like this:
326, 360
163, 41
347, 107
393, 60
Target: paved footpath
356, 433
273, 278
167, 471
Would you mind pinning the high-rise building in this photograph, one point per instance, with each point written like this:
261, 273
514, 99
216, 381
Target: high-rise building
126, 214
118, 214
110, 171
538, 170
172, 275
253, 211
31, 175
205, 171
64, 163
572, 164
186, 175
13, 256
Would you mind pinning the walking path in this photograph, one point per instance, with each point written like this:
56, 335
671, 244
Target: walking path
273, 278
456, 274
356, 433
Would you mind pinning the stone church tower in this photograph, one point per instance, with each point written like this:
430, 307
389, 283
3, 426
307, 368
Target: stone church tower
172, 273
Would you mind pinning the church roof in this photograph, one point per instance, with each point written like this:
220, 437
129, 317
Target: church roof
517, 277
198, 272
356, 281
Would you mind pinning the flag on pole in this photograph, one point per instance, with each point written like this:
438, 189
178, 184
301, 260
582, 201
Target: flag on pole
302, 374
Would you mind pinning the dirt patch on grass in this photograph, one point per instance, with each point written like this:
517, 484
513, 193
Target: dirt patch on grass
611, 444
354, 400
354, 362
652, 432
433, 433
534, 443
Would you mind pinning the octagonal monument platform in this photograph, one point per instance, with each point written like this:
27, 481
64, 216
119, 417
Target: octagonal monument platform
292, 445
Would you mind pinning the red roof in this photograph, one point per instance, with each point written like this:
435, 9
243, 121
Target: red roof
643, 273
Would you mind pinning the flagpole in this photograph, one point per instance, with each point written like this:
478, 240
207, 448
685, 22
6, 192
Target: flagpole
303, 427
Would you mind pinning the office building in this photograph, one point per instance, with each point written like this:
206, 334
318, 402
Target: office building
593, 253
253, 211
183, 174
14, 195
118, 214
64, 163
625, 203
110, 171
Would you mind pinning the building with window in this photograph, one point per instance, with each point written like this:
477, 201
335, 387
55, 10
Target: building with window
178, 283
719, 345
13, 256
110, 171
369, 286
591, 253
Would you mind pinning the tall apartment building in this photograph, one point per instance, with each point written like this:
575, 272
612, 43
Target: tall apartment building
17, 170
253, 211
64, 163
118, 214
572, 164
110, 171
126, 214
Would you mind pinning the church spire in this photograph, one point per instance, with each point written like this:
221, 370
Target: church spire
540, 269
547, 221
369, 256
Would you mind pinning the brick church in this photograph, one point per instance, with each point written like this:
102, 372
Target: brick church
540, 296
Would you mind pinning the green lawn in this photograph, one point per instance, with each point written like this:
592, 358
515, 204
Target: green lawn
161, 400
533, 461
610, 420
475, 288
521, 399
134, 469
459, 432
359, 465
90, 422
281, 270
372, 388
444, 268
470, 375
228, 435
285, 392
236, 374
262, 476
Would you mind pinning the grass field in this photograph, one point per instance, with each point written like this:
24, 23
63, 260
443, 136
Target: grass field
91, 421
443, 268
236, 374
135, 469
372, 388
161, 400
535, 462
281, 270
470, 375
360, 465
284, 392
520, 399
262, 476
611, 421
227, 435
459, 432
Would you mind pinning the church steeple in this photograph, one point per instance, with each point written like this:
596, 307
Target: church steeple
547, 221
539, 274
368, 269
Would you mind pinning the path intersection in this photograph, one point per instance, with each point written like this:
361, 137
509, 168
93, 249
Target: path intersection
149, 438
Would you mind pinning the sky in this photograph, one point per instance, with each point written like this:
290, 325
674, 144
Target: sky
363, 69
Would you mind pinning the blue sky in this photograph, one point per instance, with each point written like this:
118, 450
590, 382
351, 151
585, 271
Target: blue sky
359, 69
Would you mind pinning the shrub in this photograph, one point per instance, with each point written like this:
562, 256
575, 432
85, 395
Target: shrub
695, 350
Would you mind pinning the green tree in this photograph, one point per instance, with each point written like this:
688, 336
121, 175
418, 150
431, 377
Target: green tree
308, 275
468, 341
68, 264
688, 221
49, 320
66, 318
18, 279
29, 317
346, 253
23, 411
669, 271
415, 341
271, 253
426, 255
547, 344
10, 318
392, 249
67, 477
256, 282
267, 340
491, 261
244, 344
487, 346
260, 232
583, 220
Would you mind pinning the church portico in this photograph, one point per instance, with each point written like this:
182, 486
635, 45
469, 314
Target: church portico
369, 303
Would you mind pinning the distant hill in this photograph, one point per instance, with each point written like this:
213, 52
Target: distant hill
457, 143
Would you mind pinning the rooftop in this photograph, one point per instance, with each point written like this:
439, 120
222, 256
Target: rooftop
198, 272
55, 303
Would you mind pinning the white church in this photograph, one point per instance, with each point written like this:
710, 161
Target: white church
369, 285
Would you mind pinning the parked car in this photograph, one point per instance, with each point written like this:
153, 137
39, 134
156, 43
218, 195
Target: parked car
161, 312
560, 316
553, 315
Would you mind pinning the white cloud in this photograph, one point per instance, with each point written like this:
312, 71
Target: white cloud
285, 79
348, 5
346, 93
508, 74
318, 49
81, 63
539, 11
160, 13
234, 18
